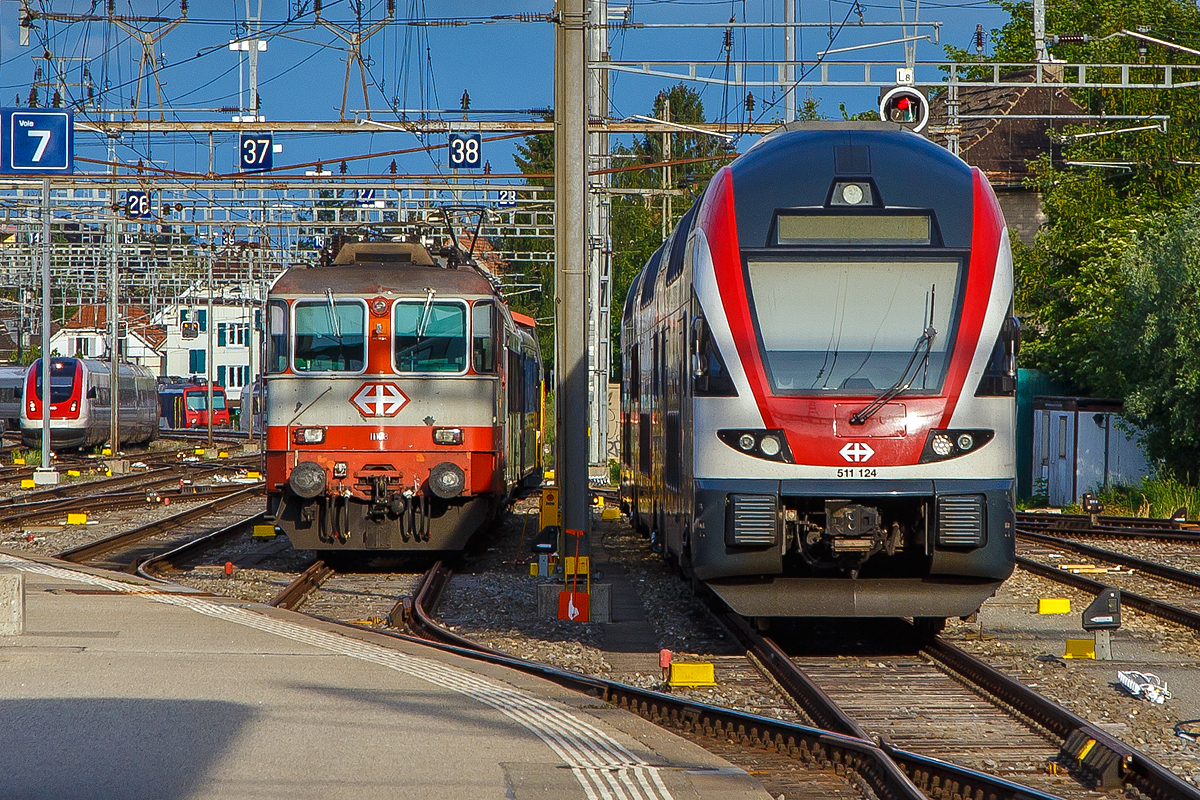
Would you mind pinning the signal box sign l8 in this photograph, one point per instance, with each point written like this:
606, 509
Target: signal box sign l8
37, 141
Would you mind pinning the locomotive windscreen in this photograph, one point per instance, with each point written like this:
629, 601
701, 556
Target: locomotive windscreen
431, 337
62, 379
853, 229
850, 326
330, 337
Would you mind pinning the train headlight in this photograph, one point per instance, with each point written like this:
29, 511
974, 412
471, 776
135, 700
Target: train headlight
944, 444
770, 444
307, 480
447, 436
447, 480
308, 435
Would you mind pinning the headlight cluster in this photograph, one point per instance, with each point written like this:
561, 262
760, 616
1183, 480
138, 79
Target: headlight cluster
944, 444
770, 444
308, 435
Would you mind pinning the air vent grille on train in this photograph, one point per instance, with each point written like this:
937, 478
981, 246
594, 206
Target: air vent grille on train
753, 520
960, 521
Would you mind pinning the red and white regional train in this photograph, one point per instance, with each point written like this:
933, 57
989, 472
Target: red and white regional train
81, 399
818, 403
403, 400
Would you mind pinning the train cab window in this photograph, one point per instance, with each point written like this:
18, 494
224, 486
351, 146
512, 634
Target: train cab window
330, 336
277, 336
483, 338
62, 380
430, 337
866, 322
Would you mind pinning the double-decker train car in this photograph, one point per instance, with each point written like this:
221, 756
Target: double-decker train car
818, 407
185, 405
81, 400
403, 400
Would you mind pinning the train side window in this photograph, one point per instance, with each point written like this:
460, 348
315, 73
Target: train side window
277, 337
483, 338
330, 336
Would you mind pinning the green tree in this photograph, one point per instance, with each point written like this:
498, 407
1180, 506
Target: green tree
1085, 288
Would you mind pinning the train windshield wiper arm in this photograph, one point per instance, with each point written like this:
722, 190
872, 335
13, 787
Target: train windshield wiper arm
924, 340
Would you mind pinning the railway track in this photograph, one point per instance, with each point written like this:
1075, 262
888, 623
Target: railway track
1115, 527
870, 737
1151, 587
125, 551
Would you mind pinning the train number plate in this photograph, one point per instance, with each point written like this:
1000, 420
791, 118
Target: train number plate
856, 472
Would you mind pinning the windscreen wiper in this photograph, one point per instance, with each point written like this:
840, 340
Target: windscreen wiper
925, 340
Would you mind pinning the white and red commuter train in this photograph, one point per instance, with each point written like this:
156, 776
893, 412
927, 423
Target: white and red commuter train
403, 400
81, 400
818, 398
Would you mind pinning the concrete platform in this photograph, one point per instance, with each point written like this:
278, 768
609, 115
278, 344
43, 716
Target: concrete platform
119, 690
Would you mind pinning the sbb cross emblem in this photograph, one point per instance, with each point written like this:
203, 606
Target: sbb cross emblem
379, 399
857, 452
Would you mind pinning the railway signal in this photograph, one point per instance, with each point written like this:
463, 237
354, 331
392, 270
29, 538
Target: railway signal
906, 106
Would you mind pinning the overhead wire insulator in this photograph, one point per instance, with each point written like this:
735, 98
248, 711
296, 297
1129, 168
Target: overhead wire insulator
343, 168
750, 102
392, 167
391, 8
1070, 38
978, 39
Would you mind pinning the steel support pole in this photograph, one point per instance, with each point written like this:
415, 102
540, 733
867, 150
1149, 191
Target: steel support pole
570, 247
46, 324
114, 313
789, 57
210, 324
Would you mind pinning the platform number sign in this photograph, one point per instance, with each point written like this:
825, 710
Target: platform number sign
506, 198
256, 152
37, 141
137, 205
466, 150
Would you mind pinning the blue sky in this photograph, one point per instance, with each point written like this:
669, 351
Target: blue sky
503, 65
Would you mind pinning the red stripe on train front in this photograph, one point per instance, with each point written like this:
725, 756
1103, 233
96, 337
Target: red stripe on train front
981, 274
383, 439
718, 215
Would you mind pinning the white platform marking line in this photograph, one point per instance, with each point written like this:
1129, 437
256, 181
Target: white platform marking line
600, 764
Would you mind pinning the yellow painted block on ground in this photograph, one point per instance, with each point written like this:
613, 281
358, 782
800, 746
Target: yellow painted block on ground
73, 473
265, 532
28, 483
199, 451
610, 513
533, 570
1054, 605
106, 451
254, 475
548, 476
692, 676
77, 518
222, 454
1080, 648
18, 461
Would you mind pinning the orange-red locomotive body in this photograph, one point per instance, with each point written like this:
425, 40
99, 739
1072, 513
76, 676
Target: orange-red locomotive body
403, 401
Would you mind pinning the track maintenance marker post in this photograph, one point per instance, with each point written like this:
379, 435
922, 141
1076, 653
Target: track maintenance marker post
574, 605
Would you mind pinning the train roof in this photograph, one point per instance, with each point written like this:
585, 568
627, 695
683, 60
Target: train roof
372, 268
797, 165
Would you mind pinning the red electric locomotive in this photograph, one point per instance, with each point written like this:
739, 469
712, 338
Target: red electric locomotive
403, 400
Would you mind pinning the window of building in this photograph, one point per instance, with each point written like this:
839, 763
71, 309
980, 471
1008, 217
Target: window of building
197, 361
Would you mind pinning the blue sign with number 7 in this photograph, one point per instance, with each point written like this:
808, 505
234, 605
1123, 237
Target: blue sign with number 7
37, 141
